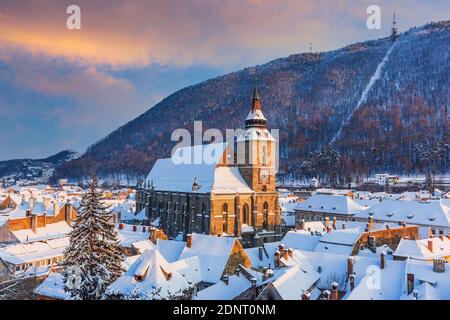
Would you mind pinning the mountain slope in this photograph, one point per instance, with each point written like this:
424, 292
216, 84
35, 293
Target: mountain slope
380, 117
38, 170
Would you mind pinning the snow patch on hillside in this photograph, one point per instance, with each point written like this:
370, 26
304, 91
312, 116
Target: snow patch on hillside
375, 77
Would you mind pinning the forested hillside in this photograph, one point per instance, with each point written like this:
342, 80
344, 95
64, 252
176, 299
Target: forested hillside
373, 106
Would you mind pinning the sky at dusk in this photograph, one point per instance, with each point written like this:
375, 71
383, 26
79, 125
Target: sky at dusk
66, 89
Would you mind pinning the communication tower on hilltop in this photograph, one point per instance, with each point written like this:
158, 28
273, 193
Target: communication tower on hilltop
394, 30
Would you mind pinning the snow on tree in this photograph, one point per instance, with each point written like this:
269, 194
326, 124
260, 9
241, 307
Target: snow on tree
93, 258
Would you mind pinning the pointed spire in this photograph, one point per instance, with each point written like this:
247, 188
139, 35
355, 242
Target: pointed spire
195, 185
256, 100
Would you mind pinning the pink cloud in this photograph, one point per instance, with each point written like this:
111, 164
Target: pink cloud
137, 33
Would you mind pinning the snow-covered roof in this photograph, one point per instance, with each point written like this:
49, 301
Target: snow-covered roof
150, 277
237, 284
268, 254
190, 269
128, 237
171, 175
50, 231
261, 134
255, 115
22, 253
213, 253
143, 245
432, 212
301, 240
418, 249
331, 204
380, 284
338, 241
170, 249
428, 284
53, 287
294, 282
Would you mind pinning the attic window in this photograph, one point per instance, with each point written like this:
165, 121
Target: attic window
390, 214
334, 208
411, 215
139, 277
432, 218
309, 206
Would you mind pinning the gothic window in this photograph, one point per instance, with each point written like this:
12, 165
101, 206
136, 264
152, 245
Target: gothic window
266, 215
245, 213
225, 218
203, 218
264, 155
264, 188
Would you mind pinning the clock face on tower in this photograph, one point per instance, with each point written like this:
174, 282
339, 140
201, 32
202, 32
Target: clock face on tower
264, 175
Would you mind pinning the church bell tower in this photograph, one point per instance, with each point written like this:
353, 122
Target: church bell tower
256, 150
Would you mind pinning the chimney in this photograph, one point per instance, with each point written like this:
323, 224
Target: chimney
327, 224
306, 295
67, 212
277, 259
254, 288
189, 241
334, 223
34, 222
371, 222
238, 271
301, 226
55, 208
351, 280
430, 245
260, 253
325, 295
410, 282
372, 243
439, 265
350, 262
290, 252
448, 236
225, 279
334, 291
31, 202
121, 226
286, 255
28, 213
382, 260
46, 202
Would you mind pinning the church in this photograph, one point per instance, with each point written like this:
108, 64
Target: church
233, 193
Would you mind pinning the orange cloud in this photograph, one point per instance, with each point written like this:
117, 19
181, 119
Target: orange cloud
137, 33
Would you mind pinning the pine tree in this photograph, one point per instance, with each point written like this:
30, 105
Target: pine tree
93, 258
